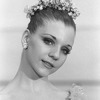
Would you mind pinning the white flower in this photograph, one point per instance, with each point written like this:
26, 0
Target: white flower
63, 8
57, 4
41, 7
35, 9
59, 8
70, 13
67, 4
45, 0
77, 93
38, 7
46, 3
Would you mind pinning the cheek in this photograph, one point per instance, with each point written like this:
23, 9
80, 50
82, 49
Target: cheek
43, 49
38, 48
62, 60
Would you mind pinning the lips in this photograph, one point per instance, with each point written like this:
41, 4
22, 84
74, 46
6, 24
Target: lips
48, 64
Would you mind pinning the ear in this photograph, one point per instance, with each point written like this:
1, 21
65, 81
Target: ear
25, 37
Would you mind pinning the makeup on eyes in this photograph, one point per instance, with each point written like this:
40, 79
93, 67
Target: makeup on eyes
49, 35
66, 50
48, 39
51, 40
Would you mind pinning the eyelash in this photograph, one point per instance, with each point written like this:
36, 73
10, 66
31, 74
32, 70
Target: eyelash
66, 51
49, 41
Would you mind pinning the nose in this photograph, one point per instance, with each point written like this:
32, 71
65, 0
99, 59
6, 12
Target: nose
55, 53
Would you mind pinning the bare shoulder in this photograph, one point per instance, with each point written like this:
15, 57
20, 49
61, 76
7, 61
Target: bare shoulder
4, 93
59, 92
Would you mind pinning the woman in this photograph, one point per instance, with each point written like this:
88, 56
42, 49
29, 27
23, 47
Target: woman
46, 42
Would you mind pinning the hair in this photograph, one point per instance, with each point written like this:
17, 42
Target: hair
48, 13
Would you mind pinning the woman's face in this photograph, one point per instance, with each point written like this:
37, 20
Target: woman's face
49, 46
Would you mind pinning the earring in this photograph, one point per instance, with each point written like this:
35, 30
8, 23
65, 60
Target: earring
25, 46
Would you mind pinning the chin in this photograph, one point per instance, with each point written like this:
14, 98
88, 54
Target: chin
43, 72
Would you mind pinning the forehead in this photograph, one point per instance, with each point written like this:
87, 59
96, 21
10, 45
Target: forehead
59, 30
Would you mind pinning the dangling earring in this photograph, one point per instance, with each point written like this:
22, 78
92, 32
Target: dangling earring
25, 46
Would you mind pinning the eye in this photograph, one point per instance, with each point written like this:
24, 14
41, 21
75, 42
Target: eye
48, 41
65, 51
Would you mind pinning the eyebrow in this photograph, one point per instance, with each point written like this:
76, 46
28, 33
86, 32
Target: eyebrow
56, 39
69, 46
50, 35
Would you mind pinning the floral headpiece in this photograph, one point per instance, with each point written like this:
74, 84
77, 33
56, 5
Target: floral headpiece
56, 4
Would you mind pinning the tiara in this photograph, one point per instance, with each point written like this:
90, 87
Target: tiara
56, 4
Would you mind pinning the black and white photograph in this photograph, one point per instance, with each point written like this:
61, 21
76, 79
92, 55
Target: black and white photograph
49, 50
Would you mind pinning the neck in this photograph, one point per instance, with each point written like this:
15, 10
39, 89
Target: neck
28, 70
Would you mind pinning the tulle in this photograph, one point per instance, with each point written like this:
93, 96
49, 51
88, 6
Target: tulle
76, 93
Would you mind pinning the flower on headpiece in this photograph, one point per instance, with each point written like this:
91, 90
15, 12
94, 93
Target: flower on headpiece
56, 4
63, 8
70, 13
41, 7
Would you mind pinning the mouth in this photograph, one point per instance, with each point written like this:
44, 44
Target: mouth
48, 64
